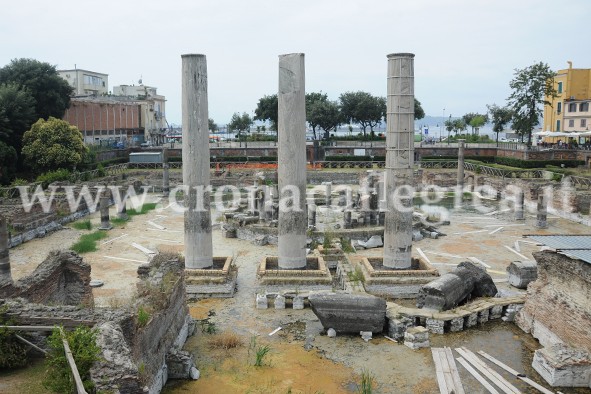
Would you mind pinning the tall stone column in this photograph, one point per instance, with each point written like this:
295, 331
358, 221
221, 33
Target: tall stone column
520, 205
399, 161
542, 217
328, 196
198, 242
122, 207
292, 161
459, 194
5, 275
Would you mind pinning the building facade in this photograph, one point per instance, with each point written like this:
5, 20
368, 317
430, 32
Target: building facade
153, 118
86, 83
573, 87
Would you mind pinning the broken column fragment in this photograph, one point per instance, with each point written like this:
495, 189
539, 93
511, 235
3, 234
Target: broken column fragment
349, 313
5, 275
466, 281
521, 273
542, 216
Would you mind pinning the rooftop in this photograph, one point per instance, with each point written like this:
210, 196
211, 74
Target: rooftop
573, 246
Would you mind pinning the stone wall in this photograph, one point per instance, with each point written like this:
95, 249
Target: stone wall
62, 278
557, 306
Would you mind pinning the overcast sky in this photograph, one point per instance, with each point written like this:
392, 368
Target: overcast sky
466, 50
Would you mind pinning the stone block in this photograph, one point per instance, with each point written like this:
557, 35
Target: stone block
280, 302
416, 337
397, 327
496, 312
456, 324
262, 302
563, 366
298, 302
435, 326
261, 240
350, 313
521, 273
483, 316
471, 320
365, 335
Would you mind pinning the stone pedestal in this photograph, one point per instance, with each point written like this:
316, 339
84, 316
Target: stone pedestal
542, 217
399, 161
198, 240
292, 162
280, 302
416, 337
104, 210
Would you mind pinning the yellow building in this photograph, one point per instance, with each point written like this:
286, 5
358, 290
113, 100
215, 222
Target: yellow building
572, 85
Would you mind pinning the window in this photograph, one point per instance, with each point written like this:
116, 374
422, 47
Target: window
558, 125
559, 87
92, 80
584, 107
583, 122
572, 107
571, 123
559, 108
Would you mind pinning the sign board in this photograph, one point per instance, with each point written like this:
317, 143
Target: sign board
359, 152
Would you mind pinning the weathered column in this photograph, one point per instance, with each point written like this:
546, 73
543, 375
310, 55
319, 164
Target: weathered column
542, 216
460, 183
399, 161
292, 161
311, 215
519, 205
5, 275
328, 188
122, 207
347, 219
165, 179
104, 209
198, 242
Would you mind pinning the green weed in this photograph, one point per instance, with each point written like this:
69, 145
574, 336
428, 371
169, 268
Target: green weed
87, 242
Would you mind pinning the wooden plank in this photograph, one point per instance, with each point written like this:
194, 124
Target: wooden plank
515, 373
494, 377
459, 388
70, 357
477, 376
423, 255
516, 252
439, 371
23, 340
449, 381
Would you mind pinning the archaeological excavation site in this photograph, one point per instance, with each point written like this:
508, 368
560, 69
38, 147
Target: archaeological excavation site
305, 274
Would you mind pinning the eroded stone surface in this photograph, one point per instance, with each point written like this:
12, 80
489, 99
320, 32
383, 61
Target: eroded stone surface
349, 313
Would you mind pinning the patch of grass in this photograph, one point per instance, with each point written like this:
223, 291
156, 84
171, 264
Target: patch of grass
261, 353
82, 225
347, 247
225, 340
208, 327
87, 242
356, 276
143, 317
118, 221
366, 384
143, 210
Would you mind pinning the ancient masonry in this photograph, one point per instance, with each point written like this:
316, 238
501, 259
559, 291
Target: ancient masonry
5, 275
399, 161
198, 241
292, 162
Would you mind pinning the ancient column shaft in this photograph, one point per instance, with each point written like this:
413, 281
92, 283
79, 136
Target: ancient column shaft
5, 275
104, 210
122, 208
542, 216
460, 164
520, 206
198, 241
399, 161
292, 161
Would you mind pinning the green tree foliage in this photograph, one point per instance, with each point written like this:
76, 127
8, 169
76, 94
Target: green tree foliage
500, 116
85, 351
213, 127
419, 112
475, 120
327, 115
532, 87
53, 144
50, 92
455, 125
364, 109
17, 113
314, 113
268, 110
13, 354
8, 159
240, 123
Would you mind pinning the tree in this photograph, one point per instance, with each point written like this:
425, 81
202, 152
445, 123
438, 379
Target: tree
475, 120
268, 110
314, 112
455, 125
532, 87
328, 115
363, 108
419, 112
500, 116
50, 92
53, 144
213, 127
8, 159
17, 114
240, 123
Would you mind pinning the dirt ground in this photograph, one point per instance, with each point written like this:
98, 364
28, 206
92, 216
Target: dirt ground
302, 358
